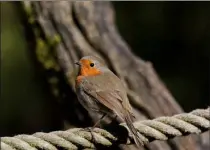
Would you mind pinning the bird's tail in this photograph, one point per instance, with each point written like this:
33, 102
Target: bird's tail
133, 130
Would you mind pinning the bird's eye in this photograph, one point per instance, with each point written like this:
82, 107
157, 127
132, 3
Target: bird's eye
91, 64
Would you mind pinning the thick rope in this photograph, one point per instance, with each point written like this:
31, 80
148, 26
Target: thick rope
161, 128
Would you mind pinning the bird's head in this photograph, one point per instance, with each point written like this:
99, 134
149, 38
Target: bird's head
91, 66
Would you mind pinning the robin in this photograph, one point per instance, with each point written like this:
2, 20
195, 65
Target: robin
99, 89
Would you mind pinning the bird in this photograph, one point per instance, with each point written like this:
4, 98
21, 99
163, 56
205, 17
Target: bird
99, 90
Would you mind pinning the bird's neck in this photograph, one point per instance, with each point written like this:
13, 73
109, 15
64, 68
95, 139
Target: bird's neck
87, 72
84, 71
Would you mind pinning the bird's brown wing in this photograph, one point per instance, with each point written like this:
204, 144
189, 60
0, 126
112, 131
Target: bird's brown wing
113, 96
110, 98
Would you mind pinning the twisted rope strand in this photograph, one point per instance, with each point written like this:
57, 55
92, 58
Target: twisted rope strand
161, 128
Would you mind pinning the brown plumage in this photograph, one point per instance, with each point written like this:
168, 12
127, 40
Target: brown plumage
100, 90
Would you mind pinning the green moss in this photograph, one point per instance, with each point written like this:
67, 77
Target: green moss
29, 12
45, 55
53, 41
27, 8
57, 38
45, 51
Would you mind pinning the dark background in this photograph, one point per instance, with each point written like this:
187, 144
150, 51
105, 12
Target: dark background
174, 36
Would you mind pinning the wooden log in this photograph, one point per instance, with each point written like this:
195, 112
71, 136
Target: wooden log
88, 27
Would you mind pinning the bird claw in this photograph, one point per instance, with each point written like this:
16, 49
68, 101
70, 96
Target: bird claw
90, 129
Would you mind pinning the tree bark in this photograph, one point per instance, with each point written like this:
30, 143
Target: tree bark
88, 28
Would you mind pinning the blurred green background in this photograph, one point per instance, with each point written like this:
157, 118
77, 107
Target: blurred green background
175, 36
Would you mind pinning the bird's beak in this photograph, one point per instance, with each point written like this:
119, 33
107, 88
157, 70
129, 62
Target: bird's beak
78, 63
